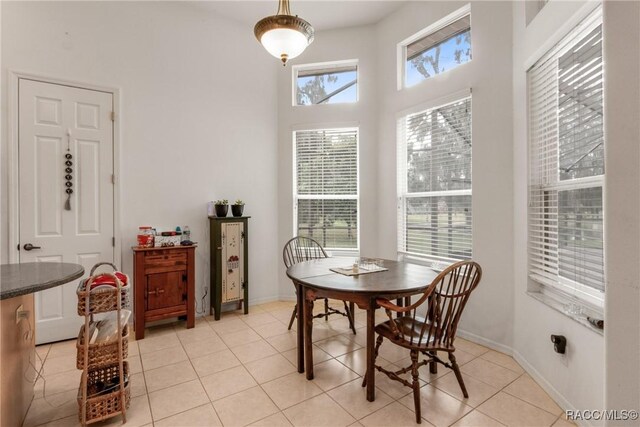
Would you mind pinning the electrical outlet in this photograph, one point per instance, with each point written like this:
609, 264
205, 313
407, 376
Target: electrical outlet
21, 313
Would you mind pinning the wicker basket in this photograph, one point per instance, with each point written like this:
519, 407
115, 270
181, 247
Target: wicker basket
102, 300
101, 354
103, 406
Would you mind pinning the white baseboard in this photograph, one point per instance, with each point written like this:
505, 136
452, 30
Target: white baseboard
564, 404
264, 300
502, 348
255, 301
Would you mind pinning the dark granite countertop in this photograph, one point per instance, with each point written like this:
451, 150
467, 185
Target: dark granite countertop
30, 277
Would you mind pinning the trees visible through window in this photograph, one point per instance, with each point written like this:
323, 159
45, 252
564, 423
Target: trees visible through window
438, 51
326, 186
566, 163
434, 165
328, 84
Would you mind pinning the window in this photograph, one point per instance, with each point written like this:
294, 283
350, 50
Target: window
566, 165
331, 83
434, 183
326, 187
438, 48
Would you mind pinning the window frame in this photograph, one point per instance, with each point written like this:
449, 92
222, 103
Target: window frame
401, 48
323, 65
434, 261
327, 127
563, 289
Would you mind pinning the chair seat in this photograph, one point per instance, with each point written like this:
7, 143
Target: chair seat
410, 334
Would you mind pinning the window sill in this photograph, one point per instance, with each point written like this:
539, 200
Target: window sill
559, 305
437, 266
343, 253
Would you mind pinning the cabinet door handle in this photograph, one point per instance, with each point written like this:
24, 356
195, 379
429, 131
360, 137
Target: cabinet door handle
160, 291
151, 292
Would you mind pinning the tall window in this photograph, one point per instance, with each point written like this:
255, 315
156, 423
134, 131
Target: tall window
434, 183
438, 48
566, 164
326, 186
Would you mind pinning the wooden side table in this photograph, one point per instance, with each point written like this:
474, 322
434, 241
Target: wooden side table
164, 282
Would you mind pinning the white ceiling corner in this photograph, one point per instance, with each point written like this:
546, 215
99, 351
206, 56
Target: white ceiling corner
322, 14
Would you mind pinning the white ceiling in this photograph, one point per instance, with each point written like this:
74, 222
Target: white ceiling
322, 14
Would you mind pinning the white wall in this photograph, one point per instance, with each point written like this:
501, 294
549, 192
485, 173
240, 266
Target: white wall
354, 43
575, 380
622, 204
489, 314
192, 102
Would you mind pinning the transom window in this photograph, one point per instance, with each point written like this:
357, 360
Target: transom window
326, 202
331, 83
437, 49
566, 163
434, 183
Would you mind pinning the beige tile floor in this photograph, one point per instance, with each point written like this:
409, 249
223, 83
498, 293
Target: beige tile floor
240, 371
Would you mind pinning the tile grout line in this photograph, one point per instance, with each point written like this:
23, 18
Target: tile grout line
198, 375
358, 377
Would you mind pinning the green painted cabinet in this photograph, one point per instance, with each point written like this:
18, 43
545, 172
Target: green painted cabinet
229, 263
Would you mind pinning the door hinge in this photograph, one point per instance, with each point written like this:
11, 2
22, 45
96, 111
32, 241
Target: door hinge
113, 242
113, 178
113, 116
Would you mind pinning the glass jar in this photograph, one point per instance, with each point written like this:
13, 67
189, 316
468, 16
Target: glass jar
146, 237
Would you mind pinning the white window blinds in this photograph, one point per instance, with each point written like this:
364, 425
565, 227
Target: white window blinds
326, 186
434, 183
566, 164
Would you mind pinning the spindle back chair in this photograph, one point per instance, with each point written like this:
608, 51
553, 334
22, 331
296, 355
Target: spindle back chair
442, 305
299, 249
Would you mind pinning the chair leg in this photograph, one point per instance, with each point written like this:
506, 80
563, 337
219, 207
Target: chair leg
326, 309
456, 370
433, 366
293, 316
416, 385
349, 310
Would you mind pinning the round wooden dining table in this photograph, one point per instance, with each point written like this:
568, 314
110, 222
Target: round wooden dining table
314, 279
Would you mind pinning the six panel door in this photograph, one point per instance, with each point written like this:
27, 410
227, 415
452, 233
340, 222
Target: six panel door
55, 120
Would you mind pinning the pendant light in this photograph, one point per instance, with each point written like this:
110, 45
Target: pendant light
283, 35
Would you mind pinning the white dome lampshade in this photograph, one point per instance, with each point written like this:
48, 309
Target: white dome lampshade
283, 35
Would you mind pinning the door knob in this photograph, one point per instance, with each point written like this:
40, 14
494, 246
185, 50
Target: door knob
29, 247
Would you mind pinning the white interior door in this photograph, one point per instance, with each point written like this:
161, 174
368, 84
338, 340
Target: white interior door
54, 118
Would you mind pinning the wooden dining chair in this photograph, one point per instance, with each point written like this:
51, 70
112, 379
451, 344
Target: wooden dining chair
441, 304
299, 249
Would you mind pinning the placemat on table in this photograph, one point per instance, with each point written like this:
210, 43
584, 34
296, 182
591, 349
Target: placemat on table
348, 271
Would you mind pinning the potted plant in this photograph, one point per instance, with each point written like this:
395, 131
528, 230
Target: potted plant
237, 208
222, 207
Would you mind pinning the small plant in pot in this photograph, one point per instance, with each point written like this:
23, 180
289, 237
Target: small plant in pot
222, 207
237, 208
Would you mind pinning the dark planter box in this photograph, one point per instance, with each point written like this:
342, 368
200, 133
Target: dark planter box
221, 210
237, 210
